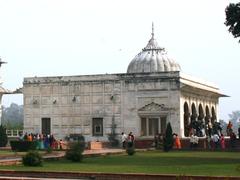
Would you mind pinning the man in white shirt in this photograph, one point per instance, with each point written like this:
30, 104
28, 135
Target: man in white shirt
124, 140
215, 140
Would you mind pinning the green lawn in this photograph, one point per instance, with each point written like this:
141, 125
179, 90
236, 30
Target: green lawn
10, 153
153, 162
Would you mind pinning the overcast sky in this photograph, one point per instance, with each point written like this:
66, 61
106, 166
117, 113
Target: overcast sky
74, 37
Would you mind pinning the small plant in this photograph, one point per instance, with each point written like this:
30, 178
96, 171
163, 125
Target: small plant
3, 136
74, 153
130, 149
32, 158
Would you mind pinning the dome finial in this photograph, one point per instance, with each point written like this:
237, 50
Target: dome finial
152, 30
1, 62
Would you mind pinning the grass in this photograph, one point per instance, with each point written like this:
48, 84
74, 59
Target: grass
151, 162
10, 153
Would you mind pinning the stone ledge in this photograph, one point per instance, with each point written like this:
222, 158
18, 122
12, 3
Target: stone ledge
107, 176
93, 145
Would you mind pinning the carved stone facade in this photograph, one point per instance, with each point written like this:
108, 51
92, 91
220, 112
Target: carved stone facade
152, 93
71, 103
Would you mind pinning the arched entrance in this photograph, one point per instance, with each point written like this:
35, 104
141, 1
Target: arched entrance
200, 122
194, 118
207, 117
186, 120
208, 125
214, 117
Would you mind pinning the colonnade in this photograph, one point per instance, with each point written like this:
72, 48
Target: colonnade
198, 117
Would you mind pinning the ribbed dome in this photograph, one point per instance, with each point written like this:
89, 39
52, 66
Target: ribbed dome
153, 58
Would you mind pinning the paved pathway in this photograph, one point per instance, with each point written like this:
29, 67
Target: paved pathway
87, 153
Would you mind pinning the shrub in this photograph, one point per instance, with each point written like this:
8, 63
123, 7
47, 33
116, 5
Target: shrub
168, 141
74, 153
3, 136
32, 158
23, 145
130, 149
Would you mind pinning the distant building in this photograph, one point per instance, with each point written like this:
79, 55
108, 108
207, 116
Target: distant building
152, 93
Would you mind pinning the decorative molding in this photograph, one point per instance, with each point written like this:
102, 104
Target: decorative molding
153, 107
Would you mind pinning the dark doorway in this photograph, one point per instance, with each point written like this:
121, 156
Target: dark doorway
46, 125
97, 126
153, 126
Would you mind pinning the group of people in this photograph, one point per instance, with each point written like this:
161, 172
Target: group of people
215, 141
127, 140
215, 138
160, 138
219, 140
43, 141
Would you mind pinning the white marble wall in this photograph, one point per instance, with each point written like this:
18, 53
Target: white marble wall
72, 101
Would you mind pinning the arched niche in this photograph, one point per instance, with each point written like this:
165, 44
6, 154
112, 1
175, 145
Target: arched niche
194, 113
207, 116
214, 117
199, 125
200, 111
186, 120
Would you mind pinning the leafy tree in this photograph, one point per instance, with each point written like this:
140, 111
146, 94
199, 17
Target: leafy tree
3, 136
168, 141
12, 116
234, 118
233, 19
224, 126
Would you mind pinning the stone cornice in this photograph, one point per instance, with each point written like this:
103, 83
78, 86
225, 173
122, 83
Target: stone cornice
193, 85
101, 77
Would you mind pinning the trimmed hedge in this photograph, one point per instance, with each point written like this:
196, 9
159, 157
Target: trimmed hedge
22, 146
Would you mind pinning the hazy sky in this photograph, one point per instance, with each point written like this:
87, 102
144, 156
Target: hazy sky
74, 37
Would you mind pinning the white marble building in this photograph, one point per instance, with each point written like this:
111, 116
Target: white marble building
153, 92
